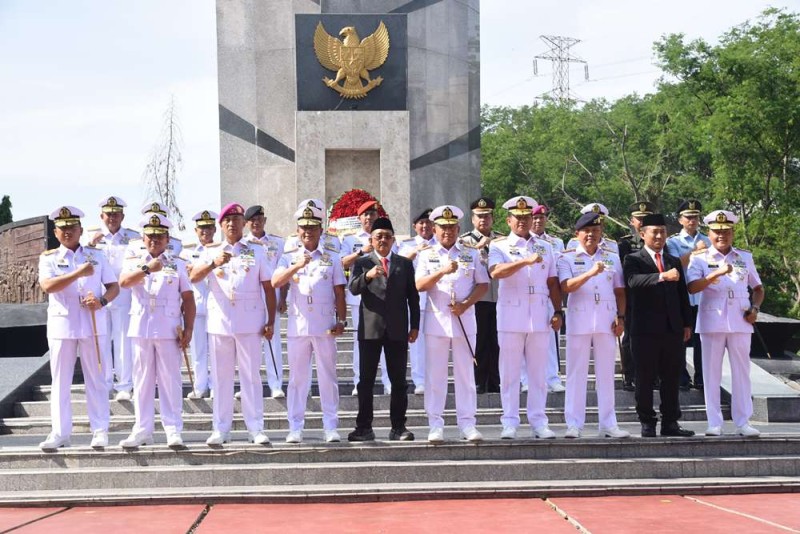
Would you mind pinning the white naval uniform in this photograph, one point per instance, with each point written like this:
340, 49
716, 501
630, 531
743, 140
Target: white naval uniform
273, 249
236, 319
350, 244
416, 350
591, 312
199, 344
523, 325
311, 307
443, 332
721, 325
69, 332
551, 376
117, 342
155, 318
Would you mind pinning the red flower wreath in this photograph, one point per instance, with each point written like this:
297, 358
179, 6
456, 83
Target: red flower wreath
347, 204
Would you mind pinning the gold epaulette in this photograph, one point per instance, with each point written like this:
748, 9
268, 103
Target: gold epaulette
48, 252
93, 229
135, 239
701, 251
190, 245
499, 238
569, 250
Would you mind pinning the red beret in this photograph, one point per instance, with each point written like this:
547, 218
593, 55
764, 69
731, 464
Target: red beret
232, 208
369, 204
541, 209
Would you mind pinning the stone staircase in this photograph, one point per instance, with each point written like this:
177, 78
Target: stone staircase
317, 471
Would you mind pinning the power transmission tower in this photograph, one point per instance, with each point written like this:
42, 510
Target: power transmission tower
559, 54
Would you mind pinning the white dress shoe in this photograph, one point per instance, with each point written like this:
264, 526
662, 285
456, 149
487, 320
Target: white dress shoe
277, 393
195, 394
332, 436
436, 435
387, 390
218, 438
237, 395
714, 431
123, 395
355, 391
524, 388
543, 432
99, 439
174, 440
615, 432
573, 432
295, 436
259, 438
419, 390
133, 441
471, 434
556, 387
509, 432
53, 442
748, 431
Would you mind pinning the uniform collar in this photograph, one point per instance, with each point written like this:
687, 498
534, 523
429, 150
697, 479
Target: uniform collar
438, 247
684, 234
580, 250
517, 240
717, 254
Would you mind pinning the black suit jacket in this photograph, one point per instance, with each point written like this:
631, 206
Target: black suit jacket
386, 303
655, 307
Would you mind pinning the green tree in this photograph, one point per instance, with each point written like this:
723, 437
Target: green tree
5, 210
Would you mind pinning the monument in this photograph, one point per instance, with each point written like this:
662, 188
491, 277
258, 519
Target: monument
317, 97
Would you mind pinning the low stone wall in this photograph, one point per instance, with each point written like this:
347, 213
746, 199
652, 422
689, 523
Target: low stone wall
21, 243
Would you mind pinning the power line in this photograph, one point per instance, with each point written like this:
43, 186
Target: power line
559, 54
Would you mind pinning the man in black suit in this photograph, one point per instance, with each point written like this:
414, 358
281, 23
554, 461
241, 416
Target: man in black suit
660, 324
388, 320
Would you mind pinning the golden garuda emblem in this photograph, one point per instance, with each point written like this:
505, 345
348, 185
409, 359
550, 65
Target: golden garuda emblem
352, 58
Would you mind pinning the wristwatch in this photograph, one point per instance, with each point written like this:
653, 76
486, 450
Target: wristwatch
559, 312
103, 302
145, 269
343, 323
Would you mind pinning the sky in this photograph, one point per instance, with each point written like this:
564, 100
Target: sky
86, 83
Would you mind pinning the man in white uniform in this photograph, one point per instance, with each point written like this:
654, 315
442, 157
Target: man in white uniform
411, 249
526, 269
79, 283
273, 248
162, 306
239, 285
721, 275
593, 279
205, 228
605, 242
113, 240
328, 240
353, 247
453, 279
316, 310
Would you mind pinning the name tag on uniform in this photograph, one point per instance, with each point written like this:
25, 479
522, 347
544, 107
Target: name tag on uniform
713, 266
580, 263
514, 251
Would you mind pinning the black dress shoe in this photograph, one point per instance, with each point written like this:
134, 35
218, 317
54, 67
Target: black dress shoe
493, 389
627, 385
401, 434
361, 434
676, 430
648, 430
698, 386
684, 387
480, 390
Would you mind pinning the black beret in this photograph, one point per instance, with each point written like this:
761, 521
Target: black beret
589, 219
424, 215
640, 209
382, 223
654, 219
252, 211
690, 207
482, 205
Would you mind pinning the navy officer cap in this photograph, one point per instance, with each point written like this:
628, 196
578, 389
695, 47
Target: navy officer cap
589, 219
424, 215
252, 211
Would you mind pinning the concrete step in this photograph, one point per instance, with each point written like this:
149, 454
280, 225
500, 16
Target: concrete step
623, 399
313, 419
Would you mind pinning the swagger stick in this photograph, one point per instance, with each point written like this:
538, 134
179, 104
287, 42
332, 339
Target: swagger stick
272, 353
94, 332
463, 330
185, 357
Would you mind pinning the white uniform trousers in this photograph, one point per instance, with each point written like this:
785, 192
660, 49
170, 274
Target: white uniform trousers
551, 373
199, 348
356, 373
579, 347
298, 350
436, 380
157, 361
738, 345
416, 356
118, 321
228, 353
514, 347
63, 354
275, 381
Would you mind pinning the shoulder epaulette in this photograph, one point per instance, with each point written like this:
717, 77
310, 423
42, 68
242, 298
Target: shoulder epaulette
136, 239
676, 234
48, 252
701, 251
275, 236
466, 234
570, 250
215, 244
190, 245
499, 238
606, 248
93, 229
738, 250
92, 247
626, 236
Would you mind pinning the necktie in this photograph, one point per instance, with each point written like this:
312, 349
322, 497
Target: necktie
385, 264
658, 262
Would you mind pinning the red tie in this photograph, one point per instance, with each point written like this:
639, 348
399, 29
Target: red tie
385, 264
658, 262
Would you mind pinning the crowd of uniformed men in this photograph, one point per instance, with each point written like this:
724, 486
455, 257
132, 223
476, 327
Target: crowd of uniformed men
131, 306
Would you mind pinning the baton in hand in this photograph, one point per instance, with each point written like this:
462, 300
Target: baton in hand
272, 353
94, 331
463, 330
185, 356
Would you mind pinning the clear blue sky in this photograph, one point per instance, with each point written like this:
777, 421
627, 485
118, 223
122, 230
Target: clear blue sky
86, 83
